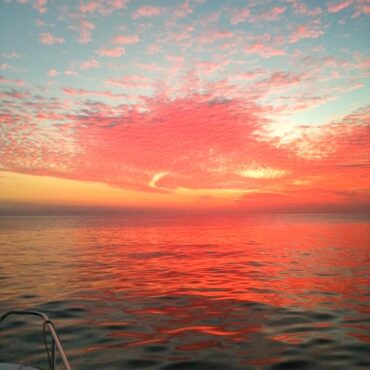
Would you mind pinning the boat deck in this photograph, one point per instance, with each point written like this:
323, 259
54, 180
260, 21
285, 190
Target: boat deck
5, 366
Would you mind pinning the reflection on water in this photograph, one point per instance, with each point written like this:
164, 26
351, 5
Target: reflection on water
280, 292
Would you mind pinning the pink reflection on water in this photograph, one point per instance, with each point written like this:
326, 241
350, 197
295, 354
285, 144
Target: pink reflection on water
190, 286
250, 259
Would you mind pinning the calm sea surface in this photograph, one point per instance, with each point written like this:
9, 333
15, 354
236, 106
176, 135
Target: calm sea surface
264, 292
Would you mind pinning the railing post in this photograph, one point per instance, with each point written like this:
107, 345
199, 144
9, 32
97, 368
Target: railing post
53, 357
55, 339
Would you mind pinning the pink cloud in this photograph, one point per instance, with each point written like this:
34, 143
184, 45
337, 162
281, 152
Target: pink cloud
183, 9
364, 63
4, 66
153, 49
342, 143
184, 34
208, 67
154, 141
132, 82
146, 11
211, 37
85, 28
362, 7
212, 17
82, 92
366, 9
304, 32
247, 75
15, 94
103, 7
119, 4
300, 103
125, 39
264, 51
70, 72
337, 7
113, 52
282, 79
150, 67
5, 80
49, 39
175, 58
240, 16
41, 23
272, 15
40, 5
89, 7
52, 73
91, 63
301, 8
194, 141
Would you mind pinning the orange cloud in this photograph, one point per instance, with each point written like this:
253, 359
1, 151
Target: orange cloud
193, 146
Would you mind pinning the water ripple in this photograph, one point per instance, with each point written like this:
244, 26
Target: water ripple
250, 293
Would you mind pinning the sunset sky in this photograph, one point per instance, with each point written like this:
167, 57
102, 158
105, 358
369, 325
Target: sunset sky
191, 104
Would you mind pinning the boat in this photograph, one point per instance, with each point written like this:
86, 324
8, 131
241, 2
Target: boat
51, 353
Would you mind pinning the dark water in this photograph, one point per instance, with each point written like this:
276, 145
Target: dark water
274, 292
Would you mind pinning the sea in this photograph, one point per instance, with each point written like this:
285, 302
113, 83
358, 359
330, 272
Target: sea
189, 292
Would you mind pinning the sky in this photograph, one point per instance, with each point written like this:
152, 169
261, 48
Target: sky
256, 106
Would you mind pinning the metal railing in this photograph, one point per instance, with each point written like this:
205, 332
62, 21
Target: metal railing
55, 341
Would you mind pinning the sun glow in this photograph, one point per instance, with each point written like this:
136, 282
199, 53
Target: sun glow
263, 172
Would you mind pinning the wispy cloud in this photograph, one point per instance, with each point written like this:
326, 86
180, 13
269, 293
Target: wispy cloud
50, 39
111, 52
102, 7
264, 51
91, 63
52, 73
305, 32
338, 6
146, 11
125, 39
40, 5
240, 16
